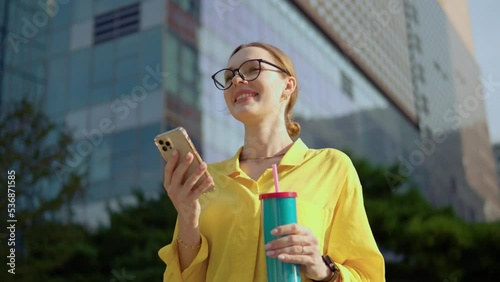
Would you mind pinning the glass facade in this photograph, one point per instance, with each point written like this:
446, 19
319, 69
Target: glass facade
22, 51
472, 91
449, 98
108, 92
117, 94
433, 83
373, 35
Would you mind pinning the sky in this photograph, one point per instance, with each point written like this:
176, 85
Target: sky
485, 24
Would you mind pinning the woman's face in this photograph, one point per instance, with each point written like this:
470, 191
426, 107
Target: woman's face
260, 97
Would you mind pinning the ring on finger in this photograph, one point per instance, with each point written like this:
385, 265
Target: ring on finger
209, 190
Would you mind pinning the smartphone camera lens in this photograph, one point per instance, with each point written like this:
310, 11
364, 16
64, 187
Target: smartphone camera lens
167, 143
164, 148
161, 142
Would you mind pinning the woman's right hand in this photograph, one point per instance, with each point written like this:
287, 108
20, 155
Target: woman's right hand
185, 196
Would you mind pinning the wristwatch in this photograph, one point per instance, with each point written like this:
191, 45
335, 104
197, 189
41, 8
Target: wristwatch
333, 268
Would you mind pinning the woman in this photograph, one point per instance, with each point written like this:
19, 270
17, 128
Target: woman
223, 240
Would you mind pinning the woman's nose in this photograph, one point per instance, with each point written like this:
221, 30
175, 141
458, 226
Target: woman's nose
237, 78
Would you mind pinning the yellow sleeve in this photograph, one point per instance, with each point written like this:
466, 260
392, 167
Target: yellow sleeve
351, 243
195, 272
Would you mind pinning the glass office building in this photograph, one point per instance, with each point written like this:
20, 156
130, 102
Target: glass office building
373, 35
450, 97
472, 91
433, 82
143, 67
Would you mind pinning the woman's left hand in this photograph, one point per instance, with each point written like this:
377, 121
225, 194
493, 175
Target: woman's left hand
300, 246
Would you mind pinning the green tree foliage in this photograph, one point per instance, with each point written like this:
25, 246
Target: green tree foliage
51, 249
29, 143
133, 237
424, 243
58, 252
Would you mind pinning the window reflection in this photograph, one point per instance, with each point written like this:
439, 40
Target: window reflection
79, 79
127, 66
100, 161
59, 42
57, 81
101, 93
151, 48
182, 66
128, 45
102, 63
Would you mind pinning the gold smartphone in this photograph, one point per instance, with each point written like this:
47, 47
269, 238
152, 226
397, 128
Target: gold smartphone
178, 139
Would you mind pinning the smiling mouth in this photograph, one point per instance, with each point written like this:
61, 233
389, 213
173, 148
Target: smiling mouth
244, 96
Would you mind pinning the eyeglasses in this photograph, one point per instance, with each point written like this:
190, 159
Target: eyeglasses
248, 70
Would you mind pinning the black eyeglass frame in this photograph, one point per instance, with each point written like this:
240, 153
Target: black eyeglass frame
238, 70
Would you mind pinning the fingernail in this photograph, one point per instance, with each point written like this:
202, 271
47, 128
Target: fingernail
270, 253
281, 257
202, 166
188, 155
274, 231
174, 153
267, 246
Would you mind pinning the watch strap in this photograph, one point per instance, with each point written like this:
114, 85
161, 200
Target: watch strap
333, 268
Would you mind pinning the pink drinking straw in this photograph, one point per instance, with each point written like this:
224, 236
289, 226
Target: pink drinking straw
276, 180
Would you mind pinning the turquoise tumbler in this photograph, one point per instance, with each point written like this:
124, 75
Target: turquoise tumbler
278, 209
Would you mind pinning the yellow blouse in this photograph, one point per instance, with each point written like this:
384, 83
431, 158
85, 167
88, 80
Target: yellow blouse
329, 202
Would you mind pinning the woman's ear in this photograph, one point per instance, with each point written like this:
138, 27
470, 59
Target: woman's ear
290, 86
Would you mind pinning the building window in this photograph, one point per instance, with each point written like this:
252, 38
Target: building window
422, 103
182, 61
79, 79
415, 42
346, 84
411, 13
438, 68
116, 23
418, 74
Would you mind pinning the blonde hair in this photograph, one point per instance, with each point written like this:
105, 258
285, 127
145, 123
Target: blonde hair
282, 60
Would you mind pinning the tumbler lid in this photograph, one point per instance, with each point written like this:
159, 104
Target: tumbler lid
278, 195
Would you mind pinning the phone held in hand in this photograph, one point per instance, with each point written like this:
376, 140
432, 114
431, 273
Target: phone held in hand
178, 139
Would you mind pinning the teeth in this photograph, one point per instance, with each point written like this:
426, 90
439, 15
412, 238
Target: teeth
243, 96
